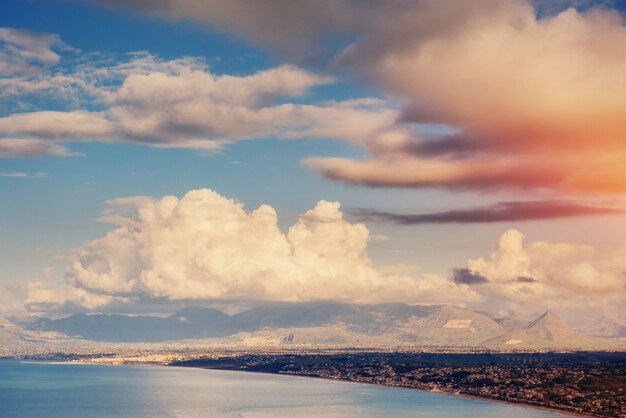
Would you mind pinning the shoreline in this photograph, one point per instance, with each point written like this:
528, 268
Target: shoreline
462, 395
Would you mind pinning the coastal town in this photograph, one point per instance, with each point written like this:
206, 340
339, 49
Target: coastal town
590, 384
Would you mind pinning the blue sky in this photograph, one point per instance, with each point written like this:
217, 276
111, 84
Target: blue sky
59, 211
46, 216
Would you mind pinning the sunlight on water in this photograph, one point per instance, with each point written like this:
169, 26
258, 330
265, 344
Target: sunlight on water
64, 390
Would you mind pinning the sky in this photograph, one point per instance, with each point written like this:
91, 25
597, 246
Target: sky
157, 154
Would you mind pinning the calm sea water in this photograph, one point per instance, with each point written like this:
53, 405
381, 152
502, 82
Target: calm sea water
69, 390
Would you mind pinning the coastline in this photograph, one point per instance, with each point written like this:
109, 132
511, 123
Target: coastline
467, 396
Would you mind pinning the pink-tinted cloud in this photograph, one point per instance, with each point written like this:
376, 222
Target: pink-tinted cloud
535, 88
540, 103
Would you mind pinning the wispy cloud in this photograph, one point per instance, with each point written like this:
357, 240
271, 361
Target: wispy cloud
164, 103
23, 51
32, 148
499, 212
22, 175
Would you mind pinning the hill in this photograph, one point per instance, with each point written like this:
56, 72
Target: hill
547, 332
606, 327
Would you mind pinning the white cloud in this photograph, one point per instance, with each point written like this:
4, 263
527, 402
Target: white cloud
541, 275
42, 297
22, 50
205, 246
508, 262
193, 106
181, 104
58, 125
189, 83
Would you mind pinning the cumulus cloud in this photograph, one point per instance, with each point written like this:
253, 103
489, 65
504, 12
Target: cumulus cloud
499, 212
530, 278
205, 246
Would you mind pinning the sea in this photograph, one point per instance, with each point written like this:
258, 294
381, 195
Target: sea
39, 389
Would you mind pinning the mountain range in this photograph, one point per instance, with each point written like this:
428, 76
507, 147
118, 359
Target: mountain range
606, 327
15, 338
324, 324
547, 331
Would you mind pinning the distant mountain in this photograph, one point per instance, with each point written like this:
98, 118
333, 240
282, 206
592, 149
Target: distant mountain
14, 338
9, 334
197, 322
197, 315
546, 332
450, 317
368, 319
336, 324
606, 327
511, 323
424, 324
548, 321
188, 323
6, 325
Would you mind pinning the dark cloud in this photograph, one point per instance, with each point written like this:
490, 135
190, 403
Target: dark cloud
424, 144
295, 29
500, 212
525, 279
466, 276
139, 5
